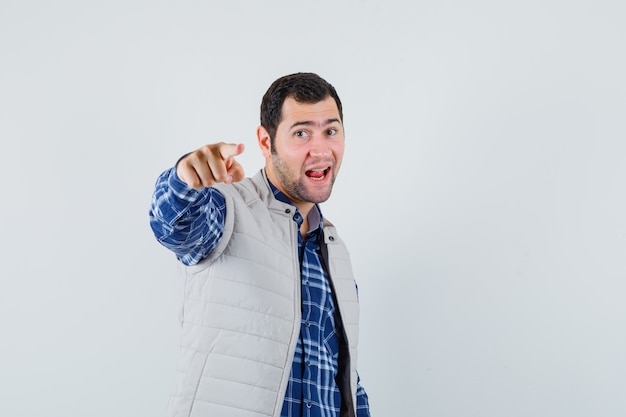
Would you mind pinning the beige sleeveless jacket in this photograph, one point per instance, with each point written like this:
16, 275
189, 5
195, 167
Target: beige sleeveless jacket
241, 312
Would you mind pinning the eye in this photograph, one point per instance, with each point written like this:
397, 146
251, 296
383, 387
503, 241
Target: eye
331, 132
301, 134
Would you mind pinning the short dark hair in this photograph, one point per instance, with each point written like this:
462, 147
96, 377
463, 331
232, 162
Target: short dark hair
304, 87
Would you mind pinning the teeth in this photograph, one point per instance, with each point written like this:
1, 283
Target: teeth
317, 171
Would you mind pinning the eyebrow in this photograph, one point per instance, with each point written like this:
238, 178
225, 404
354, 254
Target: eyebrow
311, 123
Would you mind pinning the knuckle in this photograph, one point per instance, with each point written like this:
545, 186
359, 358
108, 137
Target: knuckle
194, 183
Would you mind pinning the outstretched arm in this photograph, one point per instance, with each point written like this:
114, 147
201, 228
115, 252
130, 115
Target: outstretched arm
187, 214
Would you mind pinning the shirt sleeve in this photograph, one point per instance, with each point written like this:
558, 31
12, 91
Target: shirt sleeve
362, 401
187, 221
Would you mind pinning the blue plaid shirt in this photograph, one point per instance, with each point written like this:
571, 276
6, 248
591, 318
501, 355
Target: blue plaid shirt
190, 223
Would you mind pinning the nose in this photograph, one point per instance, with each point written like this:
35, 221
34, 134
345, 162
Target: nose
319, 147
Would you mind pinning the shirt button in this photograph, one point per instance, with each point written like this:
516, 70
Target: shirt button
307, 324
306, 282
308, 405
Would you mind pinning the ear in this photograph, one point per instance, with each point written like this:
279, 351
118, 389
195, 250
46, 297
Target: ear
265, 142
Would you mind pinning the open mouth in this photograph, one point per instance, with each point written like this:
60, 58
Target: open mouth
318, 174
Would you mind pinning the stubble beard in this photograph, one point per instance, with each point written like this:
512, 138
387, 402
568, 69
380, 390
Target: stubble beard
295, 185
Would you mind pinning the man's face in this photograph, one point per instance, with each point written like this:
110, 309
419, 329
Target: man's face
307, 150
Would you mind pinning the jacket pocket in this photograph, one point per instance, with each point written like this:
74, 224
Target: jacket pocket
190, 390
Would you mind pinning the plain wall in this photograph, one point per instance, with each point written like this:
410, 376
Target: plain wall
482, 193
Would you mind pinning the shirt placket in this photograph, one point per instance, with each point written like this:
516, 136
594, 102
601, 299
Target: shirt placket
304, 248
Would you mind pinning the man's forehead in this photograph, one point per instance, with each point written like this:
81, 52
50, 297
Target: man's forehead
325, 111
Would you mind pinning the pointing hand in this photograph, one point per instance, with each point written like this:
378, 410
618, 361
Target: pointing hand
211, 164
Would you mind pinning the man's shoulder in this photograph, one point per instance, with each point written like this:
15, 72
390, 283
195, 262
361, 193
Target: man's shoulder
251, 192
248, 187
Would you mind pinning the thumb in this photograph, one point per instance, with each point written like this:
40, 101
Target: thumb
235, 172
228, 151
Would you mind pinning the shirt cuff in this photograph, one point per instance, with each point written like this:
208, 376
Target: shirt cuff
180, 188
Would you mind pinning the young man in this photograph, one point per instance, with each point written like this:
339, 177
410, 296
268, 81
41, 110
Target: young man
271, 314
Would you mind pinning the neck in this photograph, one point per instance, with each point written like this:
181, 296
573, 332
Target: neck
312, 218
304, 207
304, 229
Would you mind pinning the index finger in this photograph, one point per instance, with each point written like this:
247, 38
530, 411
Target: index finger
228, 150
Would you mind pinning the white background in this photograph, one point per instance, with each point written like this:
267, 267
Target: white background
482, 194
